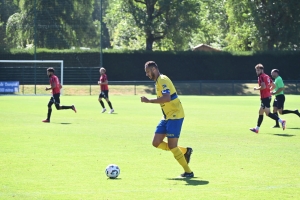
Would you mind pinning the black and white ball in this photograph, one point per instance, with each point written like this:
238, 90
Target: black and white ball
112, 171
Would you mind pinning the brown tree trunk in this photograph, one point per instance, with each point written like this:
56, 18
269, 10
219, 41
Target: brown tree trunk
149, 42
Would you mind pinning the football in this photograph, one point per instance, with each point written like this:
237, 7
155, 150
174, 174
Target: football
112, 171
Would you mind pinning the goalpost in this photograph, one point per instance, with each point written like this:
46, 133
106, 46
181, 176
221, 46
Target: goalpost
61, 62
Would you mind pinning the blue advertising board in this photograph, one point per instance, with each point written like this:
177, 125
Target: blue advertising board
9, 86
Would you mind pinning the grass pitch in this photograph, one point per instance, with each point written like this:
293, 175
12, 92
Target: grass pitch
66, 159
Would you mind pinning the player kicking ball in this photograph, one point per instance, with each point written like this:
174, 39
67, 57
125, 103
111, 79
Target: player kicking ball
170, 126
266, 85
55, 99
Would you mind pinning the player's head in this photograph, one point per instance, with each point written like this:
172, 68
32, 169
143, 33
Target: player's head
151, 70
275, 73
259, 69
50, 71
102, 70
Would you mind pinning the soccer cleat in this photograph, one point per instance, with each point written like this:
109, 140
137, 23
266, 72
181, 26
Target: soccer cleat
111, 111
276, 126
188, 153
187, 175
283, 123
104, 109
46, 121
254, 130
73, 108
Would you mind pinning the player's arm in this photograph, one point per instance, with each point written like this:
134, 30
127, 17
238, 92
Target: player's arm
163, 99
278, 91
273, 86
261, 87
53, 85
103, 83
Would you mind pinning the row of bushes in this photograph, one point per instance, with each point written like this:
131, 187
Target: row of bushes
125, 66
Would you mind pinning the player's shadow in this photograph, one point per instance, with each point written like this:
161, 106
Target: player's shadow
284, 135
65, 123
293, 128
190, 181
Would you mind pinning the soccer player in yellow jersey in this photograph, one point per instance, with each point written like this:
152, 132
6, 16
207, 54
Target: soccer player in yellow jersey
170, 125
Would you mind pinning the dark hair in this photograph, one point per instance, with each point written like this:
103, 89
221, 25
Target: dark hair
50, 69
151, 64
275, 70
259, 66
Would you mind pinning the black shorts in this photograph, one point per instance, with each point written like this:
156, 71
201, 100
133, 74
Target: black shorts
104, 94
54, 100
266, 102
279, 101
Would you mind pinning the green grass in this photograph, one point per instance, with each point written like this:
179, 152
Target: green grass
66, 159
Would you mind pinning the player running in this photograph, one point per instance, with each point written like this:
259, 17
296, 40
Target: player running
55, 99
103, 82
170, 125
279, 100
265, 86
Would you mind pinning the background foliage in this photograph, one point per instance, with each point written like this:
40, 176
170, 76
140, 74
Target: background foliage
231, 25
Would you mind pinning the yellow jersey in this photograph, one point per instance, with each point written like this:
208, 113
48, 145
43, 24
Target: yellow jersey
172, 109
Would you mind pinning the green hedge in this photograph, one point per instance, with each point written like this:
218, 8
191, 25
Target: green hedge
129, 65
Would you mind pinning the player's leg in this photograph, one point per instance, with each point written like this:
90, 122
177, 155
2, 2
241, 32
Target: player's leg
160, 134
108, 101
173, 133
260, 118
50, 103
158, 140
283, 112
271, 115
110, 105
275, 109
57, 104
179, 156
101, 95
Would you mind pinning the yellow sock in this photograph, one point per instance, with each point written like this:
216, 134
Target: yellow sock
181, 160
164, 146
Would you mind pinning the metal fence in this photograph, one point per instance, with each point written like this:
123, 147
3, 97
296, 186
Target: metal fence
147, 87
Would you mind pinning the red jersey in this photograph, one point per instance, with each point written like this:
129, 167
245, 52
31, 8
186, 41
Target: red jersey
55, 80
102, 79
264, 78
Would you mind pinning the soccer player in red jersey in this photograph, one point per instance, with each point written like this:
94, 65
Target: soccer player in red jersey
266, 85
103, 82
55, 87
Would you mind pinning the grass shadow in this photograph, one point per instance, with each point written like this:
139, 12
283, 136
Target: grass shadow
190, 181
65, 123
284, 135
293, 128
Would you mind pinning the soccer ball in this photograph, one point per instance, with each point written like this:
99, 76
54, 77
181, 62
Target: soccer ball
112, 171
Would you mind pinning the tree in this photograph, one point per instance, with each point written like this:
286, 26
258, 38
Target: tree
242, 35
159, 19
59, 23
7, 8
96, 18
212, 24
263, 25
277, 22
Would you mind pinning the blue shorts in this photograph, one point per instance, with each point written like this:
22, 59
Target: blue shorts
170, 127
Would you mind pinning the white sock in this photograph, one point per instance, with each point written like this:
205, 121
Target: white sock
257, 128
279, 120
